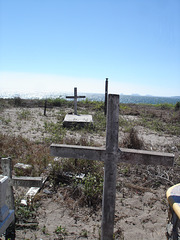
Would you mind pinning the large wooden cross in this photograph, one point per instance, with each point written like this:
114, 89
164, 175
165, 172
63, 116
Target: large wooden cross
75, 99
111, 155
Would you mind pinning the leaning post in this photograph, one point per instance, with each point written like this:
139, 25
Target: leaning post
110, 169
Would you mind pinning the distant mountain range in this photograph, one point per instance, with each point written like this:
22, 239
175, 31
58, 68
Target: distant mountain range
148, 95
133, 98
175, 97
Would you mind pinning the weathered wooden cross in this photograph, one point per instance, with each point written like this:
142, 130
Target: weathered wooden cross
6, 165
75, 99
111, 155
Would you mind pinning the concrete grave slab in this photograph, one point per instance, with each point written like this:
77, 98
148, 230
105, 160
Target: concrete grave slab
77, 120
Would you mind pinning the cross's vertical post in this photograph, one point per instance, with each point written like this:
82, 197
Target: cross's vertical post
75, 101
110, 168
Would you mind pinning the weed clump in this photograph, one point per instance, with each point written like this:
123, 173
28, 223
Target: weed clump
83, 178
26, 214
132, 140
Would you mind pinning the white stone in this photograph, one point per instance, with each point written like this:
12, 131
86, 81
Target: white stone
22, 166
30, 194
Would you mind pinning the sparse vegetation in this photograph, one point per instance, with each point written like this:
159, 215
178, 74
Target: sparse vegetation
81, 181
26, 215
61, 232
24, 114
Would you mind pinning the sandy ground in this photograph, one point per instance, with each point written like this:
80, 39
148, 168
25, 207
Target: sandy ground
141, 206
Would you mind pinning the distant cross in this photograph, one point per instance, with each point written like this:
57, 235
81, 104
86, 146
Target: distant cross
111, 155
75, 99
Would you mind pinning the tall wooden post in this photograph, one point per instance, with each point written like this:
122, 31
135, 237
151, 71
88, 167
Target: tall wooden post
106, 96
110, 169
75, 101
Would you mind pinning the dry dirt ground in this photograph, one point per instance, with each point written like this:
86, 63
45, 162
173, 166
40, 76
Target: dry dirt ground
141, 205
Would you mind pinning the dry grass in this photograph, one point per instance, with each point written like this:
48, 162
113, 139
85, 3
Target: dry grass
25, 151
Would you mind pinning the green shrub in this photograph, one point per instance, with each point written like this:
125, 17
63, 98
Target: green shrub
177, 106
163, 106
18, 102
93, 188
60, 231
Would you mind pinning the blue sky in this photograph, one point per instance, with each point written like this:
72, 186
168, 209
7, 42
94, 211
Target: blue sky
56, 45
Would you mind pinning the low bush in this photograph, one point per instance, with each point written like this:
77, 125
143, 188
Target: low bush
132, 140
84, 177
177, 106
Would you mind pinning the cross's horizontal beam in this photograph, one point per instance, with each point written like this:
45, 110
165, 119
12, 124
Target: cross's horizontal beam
146, 157
27, 181
124, 155
75, 96
78, 152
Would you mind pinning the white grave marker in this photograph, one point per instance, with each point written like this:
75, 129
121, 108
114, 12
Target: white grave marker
6, 215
